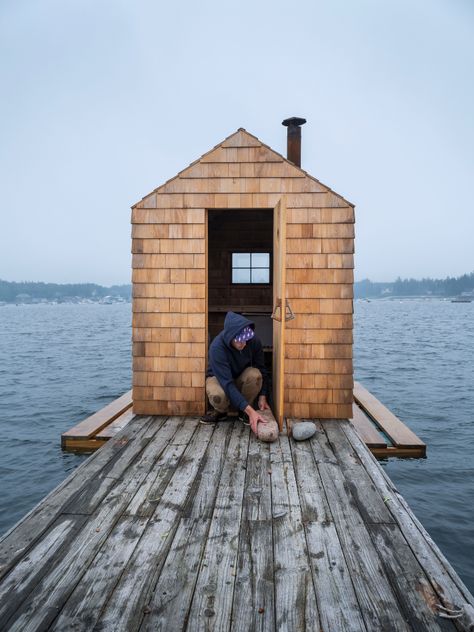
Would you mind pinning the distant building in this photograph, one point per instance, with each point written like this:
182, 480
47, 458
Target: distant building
22, 298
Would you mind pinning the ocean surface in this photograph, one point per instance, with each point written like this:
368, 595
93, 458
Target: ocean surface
61, 363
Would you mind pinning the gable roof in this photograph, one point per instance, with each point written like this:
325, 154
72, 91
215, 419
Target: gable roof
243, 139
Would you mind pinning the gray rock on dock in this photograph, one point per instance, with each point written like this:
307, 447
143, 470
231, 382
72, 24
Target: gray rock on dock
303, 430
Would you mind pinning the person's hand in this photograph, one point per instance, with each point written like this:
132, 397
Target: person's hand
262, 403
254, 418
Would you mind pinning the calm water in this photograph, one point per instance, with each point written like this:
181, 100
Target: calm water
60, 363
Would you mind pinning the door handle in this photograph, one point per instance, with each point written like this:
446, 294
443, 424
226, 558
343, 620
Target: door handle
288, 311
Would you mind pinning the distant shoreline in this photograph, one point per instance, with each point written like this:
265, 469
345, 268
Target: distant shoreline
38, 292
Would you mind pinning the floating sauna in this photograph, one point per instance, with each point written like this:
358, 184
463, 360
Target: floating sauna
247, 230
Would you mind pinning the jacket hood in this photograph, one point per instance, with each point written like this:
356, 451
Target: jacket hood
234, 323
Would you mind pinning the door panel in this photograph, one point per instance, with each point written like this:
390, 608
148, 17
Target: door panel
279, 309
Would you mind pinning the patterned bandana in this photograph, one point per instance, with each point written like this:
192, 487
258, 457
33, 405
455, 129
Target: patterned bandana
246, 334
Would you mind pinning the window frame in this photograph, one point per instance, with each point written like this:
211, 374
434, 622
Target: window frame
250, 268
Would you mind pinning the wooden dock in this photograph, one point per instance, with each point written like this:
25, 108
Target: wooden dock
175, 525
91, 433
383, 433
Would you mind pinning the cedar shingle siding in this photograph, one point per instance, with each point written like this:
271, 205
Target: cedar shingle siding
170, 289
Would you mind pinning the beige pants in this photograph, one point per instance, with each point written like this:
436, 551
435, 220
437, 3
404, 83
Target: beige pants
249, 384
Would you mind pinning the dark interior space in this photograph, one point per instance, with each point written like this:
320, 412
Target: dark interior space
240, 260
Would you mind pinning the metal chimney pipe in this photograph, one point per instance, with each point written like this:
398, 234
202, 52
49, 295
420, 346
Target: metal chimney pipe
293, 145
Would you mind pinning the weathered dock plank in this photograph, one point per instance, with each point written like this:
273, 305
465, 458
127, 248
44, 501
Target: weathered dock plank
128, 603
295, 603
149, 494
95, 587
115, 426
171, 598
447, 583
409, 582
254, 594
54, 582
370, 583
174, 525
33, 525
338, 605
211, 607
358, 482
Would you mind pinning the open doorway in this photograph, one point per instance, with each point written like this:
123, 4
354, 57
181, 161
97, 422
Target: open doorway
240, 271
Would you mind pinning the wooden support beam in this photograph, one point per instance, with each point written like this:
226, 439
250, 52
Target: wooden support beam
399, 434
91, 426
366, 429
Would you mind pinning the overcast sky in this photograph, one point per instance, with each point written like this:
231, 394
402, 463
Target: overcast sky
102, 101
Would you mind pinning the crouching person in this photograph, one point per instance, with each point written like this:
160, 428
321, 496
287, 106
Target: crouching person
236, 374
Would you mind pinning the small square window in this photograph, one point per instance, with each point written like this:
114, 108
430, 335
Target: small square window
251, 267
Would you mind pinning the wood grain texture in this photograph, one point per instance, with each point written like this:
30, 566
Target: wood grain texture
254, 593
96, 422
211, 607
116, 426
371, 586
339, 215
295, 599
444, 579
391, 425
338, 605
33, 525
366, 429
170, 600
279, 310
174, 525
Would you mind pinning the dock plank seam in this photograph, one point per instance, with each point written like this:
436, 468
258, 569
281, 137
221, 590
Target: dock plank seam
347, 564
289, 510
362, 489
119, 611
50, 508
146, 518
405, 518
336, 596
214, 591
361, 557
199, 491
237, 431
254, 593
87, 535
231, 619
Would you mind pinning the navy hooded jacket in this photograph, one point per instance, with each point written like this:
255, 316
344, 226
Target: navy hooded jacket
226, 363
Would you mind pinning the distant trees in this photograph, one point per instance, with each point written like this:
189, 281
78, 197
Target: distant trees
11, 291
451, 286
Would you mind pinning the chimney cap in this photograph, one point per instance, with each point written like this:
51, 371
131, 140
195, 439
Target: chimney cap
294, 120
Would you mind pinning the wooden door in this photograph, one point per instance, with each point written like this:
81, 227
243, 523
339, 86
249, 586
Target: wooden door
279, 309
